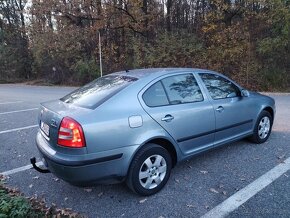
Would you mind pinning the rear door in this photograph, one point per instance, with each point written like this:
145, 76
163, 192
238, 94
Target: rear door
177, 103
234, 118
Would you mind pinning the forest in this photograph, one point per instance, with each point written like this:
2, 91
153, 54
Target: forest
57, 41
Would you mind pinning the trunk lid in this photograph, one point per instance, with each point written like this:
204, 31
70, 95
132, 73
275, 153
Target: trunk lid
50, 117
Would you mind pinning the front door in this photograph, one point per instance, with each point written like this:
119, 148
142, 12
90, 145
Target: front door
233, 118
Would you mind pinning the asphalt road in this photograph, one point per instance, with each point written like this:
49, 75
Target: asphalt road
195, 186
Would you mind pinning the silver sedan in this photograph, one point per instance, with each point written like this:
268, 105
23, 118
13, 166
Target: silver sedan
136, 125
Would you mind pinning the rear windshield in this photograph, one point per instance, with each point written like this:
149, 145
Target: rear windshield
96, 92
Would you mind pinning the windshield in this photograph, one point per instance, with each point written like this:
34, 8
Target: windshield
98, 91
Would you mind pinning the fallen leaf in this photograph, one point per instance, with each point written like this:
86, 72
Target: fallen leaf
65, 199
213, 190
30, 186
242, 179
286, 175
177, 180
204, 171
281, 157
35, 177
143, 200
88, 189
224, 192
100, 194
2, 177
56, 179
190, 205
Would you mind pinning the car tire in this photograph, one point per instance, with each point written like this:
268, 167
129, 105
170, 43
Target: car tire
263, 128
150, 170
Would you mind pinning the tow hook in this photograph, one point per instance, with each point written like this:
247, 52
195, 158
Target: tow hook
33, 162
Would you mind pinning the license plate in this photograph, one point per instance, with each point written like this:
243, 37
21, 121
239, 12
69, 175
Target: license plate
44, 127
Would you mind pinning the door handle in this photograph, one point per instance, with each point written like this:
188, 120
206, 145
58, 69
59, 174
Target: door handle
167, 118
220, 109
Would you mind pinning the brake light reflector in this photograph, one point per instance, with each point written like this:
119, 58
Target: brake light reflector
70, 134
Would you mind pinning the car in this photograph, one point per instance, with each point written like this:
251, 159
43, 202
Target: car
134, 126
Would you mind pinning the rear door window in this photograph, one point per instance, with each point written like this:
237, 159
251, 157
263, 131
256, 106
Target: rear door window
182, 89
98, 91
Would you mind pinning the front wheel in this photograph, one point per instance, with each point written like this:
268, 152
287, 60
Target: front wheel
149, 170
263, 128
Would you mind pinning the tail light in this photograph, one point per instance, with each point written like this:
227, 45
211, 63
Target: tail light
70, 134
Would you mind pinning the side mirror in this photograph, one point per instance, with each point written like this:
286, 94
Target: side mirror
245, 93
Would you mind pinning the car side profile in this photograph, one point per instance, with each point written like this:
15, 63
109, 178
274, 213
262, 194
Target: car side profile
134, 126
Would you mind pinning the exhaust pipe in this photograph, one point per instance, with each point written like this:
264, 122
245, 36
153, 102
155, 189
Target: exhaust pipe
33, 162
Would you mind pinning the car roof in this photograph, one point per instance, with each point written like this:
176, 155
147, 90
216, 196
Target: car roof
156, 72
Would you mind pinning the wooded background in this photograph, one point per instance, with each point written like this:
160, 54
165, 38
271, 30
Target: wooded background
57, 40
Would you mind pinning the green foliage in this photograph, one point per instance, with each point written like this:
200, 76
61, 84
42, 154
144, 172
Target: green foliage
15, 206
15, 58
169, 50
86, 70
274, 80
275, 46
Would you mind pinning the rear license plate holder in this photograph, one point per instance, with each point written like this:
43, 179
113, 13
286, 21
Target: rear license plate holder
45, 128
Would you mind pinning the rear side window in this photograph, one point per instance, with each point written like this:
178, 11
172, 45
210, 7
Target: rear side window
155, 96
98, 91
182, 89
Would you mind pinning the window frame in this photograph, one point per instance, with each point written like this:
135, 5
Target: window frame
166, 93
223, 77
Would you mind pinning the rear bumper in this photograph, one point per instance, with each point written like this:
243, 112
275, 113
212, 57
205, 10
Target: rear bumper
86, 169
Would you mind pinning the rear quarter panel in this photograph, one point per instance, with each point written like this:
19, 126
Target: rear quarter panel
107, 127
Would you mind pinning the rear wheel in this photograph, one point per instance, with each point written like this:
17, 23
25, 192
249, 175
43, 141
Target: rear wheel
149, 170
263, 128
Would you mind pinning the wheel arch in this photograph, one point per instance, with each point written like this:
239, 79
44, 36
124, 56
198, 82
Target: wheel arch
163, 142
166, 144
270, 110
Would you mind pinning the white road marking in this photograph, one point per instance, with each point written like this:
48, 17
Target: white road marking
20, 169
239, 198
11, 112
17, 129
11, 102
